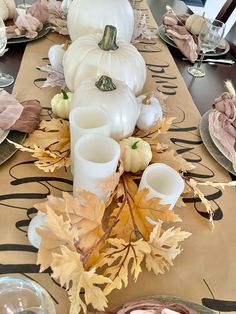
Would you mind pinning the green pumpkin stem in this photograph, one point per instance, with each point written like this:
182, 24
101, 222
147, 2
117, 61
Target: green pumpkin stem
108, 41
64, 94
105, 84
135, 145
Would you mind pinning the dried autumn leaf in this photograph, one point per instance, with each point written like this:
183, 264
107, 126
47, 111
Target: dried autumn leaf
53, 135
58, 232
68, 268
159, 127
160, 147
165, 246
121, 257
84, 212
176, 161
138, 215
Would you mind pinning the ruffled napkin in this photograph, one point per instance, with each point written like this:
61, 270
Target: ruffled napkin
222, 124
39, 11
28, 25
152, 306
23, 117
175, 28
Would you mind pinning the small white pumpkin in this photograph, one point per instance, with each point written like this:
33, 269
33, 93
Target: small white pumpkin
195, 23
113, 96
136, 154
55, 56
61, 104
90, 17
150, 111
94, 55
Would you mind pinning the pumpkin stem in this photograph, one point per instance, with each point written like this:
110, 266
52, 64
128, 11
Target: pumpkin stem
108, 41
135, 145
66, 45
105, 84
147, 100
64, 94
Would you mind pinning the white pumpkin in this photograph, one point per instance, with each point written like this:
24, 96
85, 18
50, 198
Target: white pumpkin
7, 9
94, 55
55, 56
65, 5
90, 17
61, 104
136, 154
150, 111
195, 23
115, 97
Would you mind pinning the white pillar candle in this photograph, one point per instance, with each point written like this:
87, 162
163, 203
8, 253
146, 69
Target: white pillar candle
36, 222
163, 182
86, 120
95, 159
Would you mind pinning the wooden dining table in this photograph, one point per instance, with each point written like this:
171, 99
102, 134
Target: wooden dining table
205, 271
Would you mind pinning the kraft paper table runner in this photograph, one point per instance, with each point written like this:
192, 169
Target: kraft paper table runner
208, 260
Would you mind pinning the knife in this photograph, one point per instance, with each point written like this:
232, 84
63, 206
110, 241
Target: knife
225, 61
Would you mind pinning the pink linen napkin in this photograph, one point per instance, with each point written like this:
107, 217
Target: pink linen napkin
29, 118
175, 28
39, 11
10, 110
222, 123
29, 24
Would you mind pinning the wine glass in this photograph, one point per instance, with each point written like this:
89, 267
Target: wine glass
209, 38
5, 79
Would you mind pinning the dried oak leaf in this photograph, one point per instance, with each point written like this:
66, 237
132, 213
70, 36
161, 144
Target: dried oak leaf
53, 135
58, 232
84, 213
120, 257
160, 127
68, 269
139, 214
165, 246
174, 160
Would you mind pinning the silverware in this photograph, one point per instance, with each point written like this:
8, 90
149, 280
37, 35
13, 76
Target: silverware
225, 61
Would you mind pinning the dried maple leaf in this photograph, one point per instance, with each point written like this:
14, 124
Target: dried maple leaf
165, 246
160, 126
160, 147
84, 213
53, 135
58, 232
176, 161
120, 257
68, 269
139, 214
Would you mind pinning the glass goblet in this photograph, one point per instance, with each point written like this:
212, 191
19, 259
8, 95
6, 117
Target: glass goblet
5, 79
209, 38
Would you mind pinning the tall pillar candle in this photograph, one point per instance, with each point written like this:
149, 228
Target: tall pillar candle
163, 182
86, 120
95, 160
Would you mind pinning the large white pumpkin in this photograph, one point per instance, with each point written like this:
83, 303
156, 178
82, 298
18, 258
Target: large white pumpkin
95, 55
115, 97
90, 16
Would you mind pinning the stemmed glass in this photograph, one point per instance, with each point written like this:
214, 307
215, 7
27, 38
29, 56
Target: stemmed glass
5, 79
209, 38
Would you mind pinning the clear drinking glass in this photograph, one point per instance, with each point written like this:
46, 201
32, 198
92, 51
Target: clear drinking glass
208, 39
20, 295
5, 79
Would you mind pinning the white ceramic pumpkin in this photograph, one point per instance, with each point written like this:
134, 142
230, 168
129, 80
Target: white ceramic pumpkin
150, 111
95, 55
115, 97
61, 104
55, 56
136, 154
90, 17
